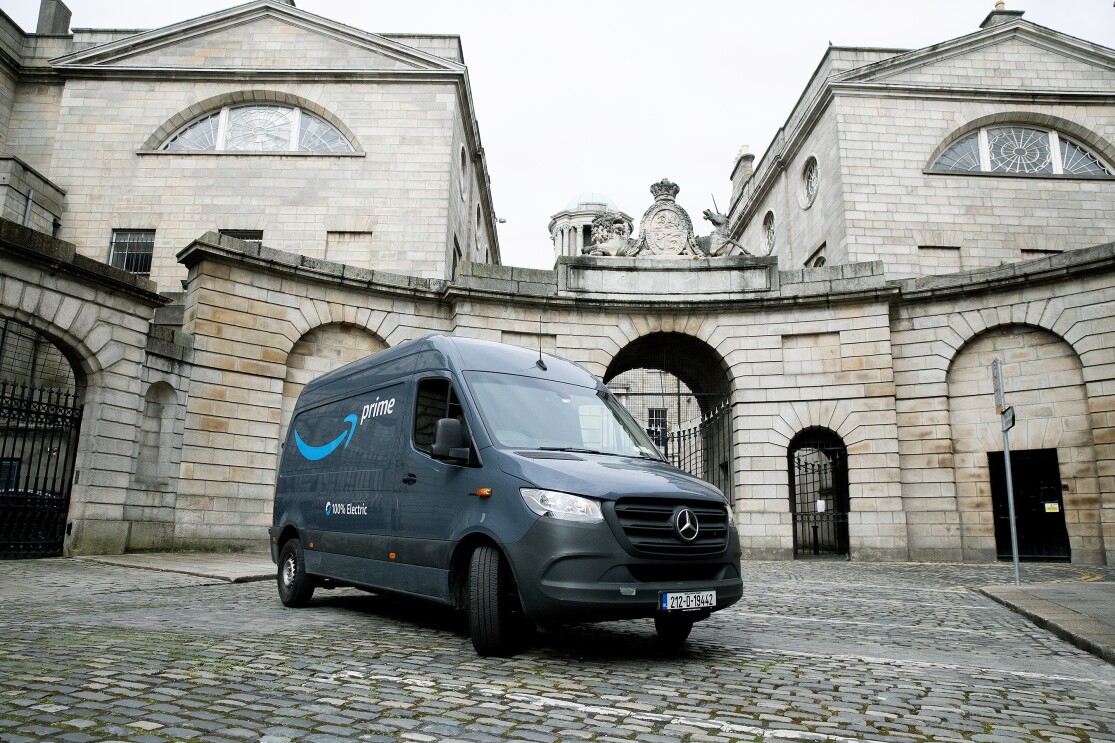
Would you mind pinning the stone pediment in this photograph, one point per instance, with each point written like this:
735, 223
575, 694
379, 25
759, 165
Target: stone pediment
1017, 55
264, 35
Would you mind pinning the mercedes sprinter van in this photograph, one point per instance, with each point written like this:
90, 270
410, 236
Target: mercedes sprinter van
498, 480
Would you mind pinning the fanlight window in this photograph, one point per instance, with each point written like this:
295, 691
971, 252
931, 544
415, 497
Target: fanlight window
1019, 150
258, 129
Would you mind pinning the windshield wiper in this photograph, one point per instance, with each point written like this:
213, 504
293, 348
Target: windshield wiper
577, 450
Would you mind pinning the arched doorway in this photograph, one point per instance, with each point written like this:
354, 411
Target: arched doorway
1054, 462
678, 388
40, 417
818, 464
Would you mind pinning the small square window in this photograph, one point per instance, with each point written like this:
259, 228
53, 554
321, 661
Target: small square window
249, 236
9, 473
131, 251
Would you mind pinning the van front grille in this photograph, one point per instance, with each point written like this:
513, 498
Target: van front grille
648, 524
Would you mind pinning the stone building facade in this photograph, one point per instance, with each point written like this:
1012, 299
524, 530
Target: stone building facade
860, 335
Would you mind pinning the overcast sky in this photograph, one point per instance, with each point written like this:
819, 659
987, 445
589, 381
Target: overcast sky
613, 95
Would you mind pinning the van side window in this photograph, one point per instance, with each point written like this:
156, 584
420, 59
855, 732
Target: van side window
436, 399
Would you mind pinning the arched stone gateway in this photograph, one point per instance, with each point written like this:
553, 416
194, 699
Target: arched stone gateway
679, 388
40, 417
818, 472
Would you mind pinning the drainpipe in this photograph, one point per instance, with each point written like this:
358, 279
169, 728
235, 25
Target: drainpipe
27, 208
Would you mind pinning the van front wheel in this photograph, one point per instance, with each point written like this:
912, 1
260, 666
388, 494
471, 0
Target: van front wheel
296, 588
490, 618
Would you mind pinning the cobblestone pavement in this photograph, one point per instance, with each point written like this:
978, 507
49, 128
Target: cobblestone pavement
817, 651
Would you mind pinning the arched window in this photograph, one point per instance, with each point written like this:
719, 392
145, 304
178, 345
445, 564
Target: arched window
258, 128
1020, 150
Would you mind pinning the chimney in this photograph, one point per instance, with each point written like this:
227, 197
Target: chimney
745, 163
54, 18
1000, 15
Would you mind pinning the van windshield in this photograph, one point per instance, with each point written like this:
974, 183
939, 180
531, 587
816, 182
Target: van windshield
532, 413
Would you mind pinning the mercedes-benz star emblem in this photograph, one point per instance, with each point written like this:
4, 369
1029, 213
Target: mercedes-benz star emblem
685, 524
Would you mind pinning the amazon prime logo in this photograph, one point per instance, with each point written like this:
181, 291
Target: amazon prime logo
685, 524
314, 453
371, 410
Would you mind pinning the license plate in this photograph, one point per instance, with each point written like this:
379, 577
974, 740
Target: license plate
687, 601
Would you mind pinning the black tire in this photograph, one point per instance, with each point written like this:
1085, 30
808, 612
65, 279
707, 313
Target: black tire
672, 631
491, 615
296, 588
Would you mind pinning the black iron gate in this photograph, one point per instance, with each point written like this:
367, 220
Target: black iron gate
703, 450
819, 493
38, 446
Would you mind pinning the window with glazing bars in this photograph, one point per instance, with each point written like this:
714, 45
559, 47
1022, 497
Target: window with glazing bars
131, 250
250, 236
658, 426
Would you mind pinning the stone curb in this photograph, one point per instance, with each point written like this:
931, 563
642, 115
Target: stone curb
1082, 631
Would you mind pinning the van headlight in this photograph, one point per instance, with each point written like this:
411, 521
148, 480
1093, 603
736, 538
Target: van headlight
562, 505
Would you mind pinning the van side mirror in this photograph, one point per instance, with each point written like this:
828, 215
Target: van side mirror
450, 441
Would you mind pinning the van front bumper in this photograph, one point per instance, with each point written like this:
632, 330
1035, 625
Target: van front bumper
567, 571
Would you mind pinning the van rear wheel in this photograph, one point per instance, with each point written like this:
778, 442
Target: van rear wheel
296, 588
491, 613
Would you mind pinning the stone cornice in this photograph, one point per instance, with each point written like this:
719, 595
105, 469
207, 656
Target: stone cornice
1024, 274
255, 75
855, 283
982, 94
223, 249
28, 246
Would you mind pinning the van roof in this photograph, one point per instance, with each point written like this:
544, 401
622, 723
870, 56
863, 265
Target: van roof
460, 354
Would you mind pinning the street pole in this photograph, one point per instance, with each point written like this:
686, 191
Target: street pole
1006, 419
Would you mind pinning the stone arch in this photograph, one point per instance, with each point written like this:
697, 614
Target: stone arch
1044, 382
238, 97
320, 350
678, 387
696, 364
82, 360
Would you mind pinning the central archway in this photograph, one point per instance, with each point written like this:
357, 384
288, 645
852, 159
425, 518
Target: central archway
679, 389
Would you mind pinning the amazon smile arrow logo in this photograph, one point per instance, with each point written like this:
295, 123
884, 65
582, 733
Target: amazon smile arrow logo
314, 453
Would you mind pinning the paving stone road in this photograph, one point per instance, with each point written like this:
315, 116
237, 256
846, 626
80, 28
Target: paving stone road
817, 651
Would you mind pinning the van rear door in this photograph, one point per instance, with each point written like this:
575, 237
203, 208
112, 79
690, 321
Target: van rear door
339, 465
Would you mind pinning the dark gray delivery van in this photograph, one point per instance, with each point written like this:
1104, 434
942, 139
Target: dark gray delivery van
499, 480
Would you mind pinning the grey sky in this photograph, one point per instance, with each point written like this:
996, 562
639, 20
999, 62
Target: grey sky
613, 95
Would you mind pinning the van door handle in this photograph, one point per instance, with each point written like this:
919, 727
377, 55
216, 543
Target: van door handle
409, 480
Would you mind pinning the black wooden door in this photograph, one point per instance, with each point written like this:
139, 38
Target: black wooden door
1039, 506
